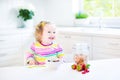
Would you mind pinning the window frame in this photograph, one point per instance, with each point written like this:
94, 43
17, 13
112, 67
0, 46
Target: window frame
101, 22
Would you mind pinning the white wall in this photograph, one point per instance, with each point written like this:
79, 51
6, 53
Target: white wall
8, 11
59, 11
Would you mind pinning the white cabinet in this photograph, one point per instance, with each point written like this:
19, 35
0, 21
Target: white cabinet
5, 40
106, 48
103, 44
12, 46
9, 49
68, 40
103, 53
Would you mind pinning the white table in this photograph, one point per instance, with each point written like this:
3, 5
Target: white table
99, 70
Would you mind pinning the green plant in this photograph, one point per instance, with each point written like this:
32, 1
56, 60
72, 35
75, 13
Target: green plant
25, 14
81, 15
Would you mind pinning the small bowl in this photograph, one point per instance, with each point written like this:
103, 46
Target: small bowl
53, 65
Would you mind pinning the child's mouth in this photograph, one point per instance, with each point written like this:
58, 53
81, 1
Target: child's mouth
51, 38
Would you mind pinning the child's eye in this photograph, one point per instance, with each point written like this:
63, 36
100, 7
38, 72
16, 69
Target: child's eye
54, 32
49, 32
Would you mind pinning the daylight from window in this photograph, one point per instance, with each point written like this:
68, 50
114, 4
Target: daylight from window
107, 12
95, 8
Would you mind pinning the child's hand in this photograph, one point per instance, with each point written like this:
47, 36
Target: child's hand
32, 62
59, 57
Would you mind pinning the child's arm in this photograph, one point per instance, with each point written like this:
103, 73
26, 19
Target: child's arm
60, 53
30, 55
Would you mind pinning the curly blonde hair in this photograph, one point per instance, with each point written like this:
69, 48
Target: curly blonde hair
39, 30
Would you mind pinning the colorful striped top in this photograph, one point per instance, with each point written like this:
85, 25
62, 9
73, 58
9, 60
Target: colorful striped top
41, 53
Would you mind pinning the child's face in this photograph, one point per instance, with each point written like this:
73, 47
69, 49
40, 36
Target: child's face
48, 34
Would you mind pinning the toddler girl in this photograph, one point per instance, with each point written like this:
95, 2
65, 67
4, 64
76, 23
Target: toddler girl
44, 48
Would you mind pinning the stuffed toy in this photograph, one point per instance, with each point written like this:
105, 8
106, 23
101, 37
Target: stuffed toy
81, 63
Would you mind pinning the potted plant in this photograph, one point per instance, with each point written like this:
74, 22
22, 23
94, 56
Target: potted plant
81, 18
25, 15
81, 15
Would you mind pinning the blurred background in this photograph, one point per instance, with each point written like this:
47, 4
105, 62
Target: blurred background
19, 17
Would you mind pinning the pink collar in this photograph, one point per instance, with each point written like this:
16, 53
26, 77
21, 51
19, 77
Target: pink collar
45, 44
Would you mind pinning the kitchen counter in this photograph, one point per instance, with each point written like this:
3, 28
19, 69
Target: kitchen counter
104, 32
14, 31
99, 70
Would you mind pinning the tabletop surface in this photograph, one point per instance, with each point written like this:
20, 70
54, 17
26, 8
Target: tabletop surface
99, 70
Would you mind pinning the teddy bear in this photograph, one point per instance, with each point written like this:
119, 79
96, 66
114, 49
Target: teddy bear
80, 63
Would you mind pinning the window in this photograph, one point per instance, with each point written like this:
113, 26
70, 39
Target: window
103, 8
95, 8
104, 13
